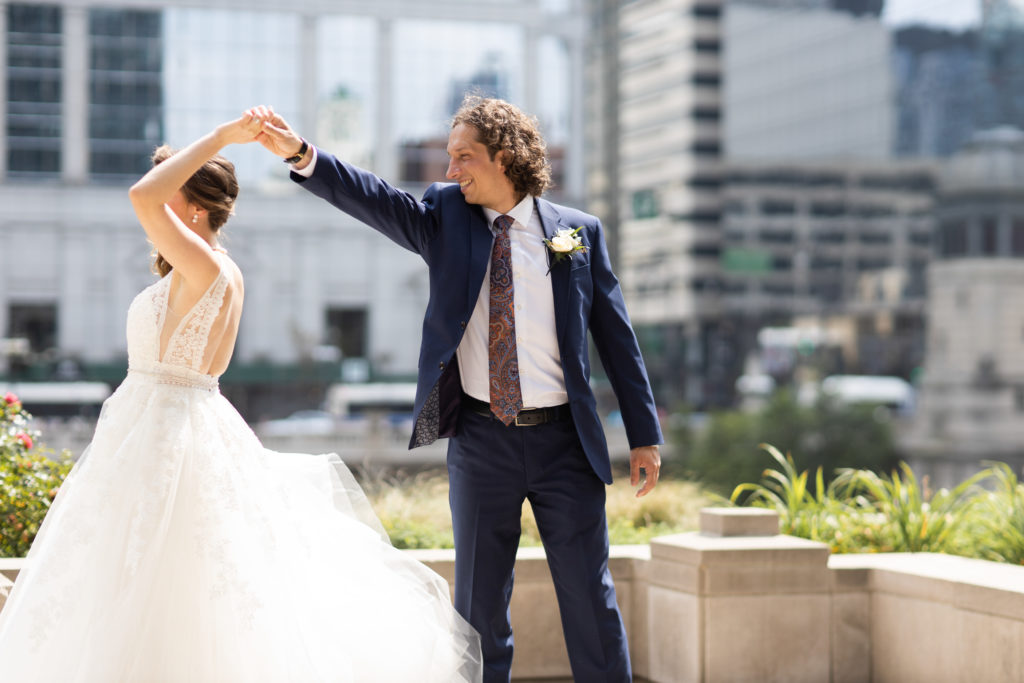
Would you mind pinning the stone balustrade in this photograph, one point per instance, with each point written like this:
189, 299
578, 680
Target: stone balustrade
736, 601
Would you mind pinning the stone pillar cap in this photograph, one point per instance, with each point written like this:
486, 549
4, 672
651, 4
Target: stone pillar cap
739, 522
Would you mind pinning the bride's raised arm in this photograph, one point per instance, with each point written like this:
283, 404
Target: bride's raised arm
163, 209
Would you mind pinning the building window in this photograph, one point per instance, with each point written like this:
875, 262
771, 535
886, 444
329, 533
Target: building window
776, 236
347, 330
989, 237
713, 80
1017, 237
35, 322
825, 263
828, 209
875, 238
778, 207
872, 264
704, 182
704, 113
706, 45
953, 240
777, 289
125, 91
706, 251
33, 90
706, 148
706, 11
829, 237
1018, 398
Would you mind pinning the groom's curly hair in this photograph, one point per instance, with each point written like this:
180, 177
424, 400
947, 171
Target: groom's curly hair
503, 127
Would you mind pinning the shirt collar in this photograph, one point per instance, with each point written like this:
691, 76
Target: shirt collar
520, 213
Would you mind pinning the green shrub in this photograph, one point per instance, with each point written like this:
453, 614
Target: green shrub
802, 512
916, 518
29, 479
414, 510
408, 534
862, 511
827, 435
996, 530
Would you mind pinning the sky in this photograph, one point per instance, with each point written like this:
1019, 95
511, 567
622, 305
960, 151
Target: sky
945, 13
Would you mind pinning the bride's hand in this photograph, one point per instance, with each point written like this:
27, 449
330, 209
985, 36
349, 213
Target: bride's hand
275, 133
242, 130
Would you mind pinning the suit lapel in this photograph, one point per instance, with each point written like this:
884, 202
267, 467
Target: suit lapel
480, 241
551, 221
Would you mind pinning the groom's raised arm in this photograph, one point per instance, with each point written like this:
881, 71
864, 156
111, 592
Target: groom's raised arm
393, 212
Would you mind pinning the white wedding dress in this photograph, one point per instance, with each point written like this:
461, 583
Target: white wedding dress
179, 549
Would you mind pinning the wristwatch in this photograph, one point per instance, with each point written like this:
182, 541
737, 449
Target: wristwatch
301, 153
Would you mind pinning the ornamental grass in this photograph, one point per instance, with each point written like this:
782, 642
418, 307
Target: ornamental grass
861, 511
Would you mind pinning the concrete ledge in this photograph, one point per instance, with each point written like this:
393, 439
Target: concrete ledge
701, 607
961, 582
5, 589
739, 565
10, 566
739, 522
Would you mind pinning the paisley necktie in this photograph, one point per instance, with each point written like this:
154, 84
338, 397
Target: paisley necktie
503, 363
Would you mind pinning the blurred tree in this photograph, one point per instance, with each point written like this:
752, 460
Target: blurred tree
830, 435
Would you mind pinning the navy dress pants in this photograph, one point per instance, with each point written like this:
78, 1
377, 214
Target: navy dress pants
492, 469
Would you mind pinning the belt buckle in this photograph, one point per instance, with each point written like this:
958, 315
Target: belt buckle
525, 424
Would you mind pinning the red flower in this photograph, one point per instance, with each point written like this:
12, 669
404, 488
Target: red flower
25, 439
10, 398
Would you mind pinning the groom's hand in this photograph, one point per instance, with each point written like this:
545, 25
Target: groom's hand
276, 135
648, 459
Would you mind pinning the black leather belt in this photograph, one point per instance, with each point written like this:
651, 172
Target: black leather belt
525, 418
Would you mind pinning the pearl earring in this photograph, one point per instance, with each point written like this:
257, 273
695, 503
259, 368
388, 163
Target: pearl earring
195, 218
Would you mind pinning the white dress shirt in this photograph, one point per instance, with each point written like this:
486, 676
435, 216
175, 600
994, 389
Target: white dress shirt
540, 367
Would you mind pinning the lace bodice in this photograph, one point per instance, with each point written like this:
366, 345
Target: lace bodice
187, 349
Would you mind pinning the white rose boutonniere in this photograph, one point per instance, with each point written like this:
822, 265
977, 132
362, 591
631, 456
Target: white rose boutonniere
565, 243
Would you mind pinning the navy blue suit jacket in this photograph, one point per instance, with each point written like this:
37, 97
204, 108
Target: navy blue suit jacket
454, 239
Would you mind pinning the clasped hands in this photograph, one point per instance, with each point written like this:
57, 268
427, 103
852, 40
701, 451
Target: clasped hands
263, 125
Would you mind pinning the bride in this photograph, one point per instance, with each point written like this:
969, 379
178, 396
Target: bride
180, 549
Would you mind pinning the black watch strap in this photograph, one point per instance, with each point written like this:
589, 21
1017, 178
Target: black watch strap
298, 157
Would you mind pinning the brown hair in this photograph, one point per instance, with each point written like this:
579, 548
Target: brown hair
503, 127
213, 187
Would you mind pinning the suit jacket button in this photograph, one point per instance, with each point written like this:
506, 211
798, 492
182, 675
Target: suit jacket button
463, 324
442, 365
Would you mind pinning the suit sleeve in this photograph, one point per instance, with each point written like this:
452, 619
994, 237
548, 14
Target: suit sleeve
620, 354
408, 222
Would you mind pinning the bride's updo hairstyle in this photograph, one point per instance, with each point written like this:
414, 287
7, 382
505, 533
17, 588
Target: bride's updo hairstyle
213, 187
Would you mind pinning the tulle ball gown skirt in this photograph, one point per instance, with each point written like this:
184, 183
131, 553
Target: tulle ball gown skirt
179, 549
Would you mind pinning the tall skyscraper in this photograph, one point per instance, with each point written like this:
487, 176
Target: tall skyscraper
1002, 53
670, 148
939, 86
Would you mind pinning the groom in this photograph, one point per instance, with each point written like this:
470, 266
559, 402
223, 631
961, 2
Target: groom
504, 368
